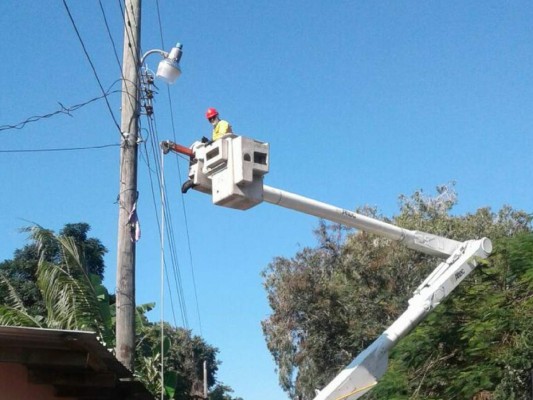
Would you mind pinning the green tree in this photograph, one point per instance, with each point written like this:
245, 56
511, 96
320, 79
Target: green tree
184, 356
72, 298
330, 302
91, 249
21, 270
222, 392
479, 342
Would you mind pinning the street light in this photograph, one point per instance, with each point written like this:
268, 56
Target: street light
169, 68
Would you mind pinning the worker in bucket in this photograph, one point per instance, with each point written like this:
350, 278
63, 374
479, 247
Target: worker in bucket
220, 126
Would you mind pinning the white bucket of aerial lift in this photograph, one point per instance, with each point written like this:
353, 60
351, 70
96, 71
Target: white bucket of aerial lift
201, 182
216, 156
234, 167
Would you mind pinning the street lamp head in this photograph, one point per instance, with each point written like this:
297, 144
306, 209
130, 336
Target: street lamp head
169, 68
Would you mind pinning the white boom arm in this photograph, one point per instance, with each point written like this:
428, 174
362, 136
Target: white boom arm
365, 370
421, 241
231, 169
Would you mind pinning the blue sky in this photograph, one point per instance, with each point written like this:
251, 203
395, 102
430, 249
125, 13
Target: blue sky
360, 102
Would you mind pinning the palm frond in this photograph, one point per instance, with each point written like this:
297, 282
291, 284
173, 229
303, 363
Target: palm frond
73, 298
68, 293
10, 316
44, 238
13, 299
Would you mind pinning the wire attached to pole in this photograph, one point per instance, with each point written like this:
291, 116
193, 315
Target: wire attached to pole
162, 240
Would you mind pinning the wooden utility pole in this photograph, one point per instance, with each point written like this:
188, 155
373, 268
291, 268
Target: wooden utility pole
127, 198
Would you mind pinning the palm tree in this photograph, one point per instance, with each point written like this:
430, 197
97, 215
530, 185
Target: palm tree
73, 298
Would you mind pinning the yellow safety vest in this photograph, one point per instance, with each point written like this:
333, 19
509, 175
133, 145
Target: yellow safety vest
221, 129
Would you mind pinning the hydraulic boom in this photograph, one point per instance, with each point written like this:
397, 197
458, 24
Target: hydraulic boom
231, 169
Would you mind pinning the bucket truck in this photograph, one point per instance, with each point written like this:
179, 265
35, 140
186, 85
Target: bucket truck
232, 169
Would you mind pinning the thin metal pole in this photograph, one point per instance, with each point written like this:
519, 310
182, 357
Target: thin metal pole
205, 379
162, 240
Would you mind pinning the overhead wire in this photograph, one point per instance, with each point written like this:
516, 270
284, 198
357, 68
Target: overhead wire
162, 252
172, 119
113, 45
132, 44
127, 18
91, 64
176, 270
61, 149
165, 266
127, 29
170, 234
111, 38
63, 110
152, 171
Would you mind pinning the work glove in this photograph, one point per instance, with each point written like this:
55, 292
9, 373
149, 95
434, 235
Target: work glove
165, 146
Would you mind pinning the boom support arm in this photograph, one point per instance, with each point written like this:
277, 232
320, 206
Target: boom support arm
231, 169
366, 369
421, 241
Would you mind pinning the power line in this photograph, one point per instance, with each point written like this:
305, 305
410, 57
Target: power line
152, 137
160, 25
128, 29
170, 230
60, 149
117, 59
111, 37
179, 174
174, 260
150, 171
63, 110
92, 65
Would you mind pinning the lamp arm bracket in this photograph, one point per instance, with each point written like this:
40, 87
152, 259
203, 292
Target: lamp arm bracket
164, 54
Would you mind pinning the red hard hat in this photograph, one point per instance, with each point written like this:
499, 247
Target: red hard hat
211, 112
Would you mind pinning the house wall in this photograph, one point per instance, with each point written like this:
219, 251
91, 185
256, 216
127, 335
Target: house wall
14, 385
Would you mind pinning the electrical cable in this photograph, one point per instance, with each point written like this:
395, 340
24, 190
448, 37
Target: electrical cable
92, 65
127, 29
159, 23
147, 160
61, 149
111, 38
132, 45
63, 110
162, 240
169, 231
179, 175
